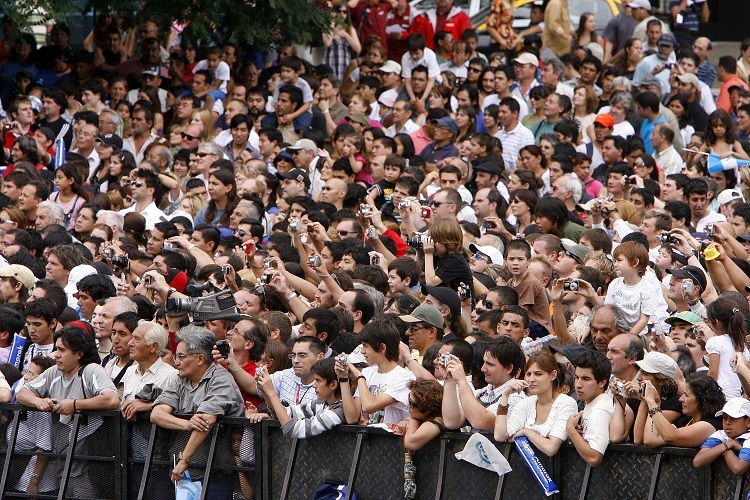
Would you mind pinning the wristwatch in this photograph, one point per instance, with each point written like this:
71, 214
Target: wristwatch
171, 291
184, 458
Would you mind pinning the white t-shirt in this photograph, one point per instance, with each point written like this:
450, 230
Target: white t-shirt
709, 218
428, 59
523, 416
392, 383
597, 416
727, 379
644, 297
221, 73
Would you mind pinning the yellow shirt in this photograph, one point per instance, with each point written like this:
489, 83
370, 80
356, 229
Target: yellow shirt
556, 25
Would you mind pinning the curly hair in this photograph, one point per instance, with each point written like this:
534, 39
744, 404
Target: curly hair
707, 392
427, 397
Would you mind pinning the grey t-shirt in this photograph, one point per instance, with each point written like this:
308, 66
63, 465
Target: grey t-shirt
88, 382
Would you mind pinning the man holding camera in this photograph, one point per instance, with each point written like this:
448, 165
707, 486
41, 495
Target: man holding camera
241, 352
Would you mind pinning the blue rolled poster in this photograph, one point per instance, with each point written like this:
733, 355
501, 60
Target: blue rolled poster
535, 466
60, 153
16, 348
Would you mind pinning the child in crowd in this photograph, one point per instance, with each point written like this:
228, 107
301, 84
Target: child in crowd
531, 294
636, 296
382, 191
311, 418
218, 69
353, 150
731, 442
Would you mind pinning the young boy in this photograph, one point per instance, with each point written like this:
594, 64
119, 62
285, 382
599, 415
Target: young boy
406, 187
382, 191
314, 417
403, 274
640, 299
218, 69
419, 55
733, 438
591, 436
291, 68
41, 321
531, 294
381, 393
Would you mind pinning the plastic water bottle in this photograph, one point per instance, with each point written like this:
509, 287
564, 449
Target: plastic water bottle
529, 346
60, 153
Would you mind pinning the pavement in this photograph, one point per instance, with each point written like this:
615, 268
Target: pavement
723, 49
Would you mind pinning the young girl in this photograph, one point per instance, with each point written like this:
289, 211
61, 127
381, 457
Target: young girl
639, 297
222, 190
491, 122
425, 409
726, 320
120, 166
543, 416
353, 150
720, 139
70, 194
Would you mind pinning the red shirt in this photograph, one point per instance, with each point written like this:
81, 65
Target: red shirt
371, 20
250, 367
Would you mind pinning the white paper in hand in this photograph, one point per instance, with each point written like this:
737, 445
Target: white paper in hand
482, 453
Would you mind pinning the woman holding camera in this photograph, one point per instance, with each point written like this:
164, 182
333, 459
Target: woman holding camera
700, 401
543, 416
444, 263
657, 372
222, 189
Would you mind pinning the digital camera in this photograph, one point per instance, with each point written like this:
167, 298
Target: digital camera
295, 225
667, 238
371, 232
169, 247
570, 286
464, 292
343, 359
314, 261
416, 241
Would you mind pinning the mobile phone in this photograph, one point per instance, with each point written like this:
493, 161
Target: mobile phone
227, 269
123, 282
223, 347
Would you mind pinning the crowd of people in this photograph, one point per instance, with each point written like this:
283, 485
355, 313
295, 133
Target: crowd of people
549, 238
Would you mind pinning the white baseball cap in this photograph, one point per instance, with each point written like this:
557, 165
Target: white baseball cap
495, 255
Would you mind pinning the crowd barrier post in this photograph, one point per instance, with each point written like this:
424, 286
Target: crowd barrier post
69, 457
15, 422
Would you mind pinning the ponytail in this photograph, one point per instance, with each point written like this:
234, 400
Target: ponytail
736, 330
731, 318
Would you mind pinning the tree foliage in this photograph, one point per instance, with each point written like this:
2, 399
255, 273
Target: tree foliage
260, 23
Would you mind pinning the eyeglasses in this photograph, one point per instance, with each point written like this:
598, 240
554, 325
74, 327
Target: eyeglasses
3, 221
414, 328
190, 137
182, 355
300, 355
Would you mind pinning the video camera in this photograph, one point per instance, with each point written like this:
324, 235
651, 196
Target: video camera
218, 306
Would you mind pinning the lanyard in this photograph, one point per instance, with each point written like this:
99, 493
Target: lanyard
297, 399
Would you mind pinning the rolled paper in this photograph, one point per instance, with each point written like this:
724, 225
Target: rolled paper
535, 466
16, 348
60, 153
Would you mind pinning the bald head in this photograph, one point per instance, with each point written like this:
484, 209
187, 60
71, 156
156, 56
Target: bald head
334, 191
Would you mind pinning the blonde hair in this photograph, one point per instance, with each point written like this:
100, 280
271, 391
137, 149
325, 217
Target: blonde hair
115, 199
446, 230
205, 116
16, 215
246, 170
196, 202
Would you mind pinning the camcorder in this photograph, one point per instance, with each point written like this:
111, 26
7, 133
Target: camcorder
217, 306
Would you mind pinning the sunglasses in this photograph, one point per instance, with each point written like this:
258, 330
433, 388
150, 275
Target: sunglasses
479, 256
190, 137
344, 232
203, 155
240, 233
474, 70
3, 221
327, 188
436, 204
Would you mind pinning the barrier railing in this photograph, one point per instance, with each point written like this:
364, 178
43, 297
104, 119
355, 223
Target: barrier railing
115, 459
371, 462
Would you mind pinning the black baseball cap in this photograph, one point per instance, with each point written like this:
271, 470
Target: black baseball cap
447, 296
693, 273
297, 174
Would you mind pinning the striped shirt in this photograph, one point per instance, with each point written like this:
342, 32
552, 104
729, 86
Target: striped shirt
290, 388
313, 418
513, 141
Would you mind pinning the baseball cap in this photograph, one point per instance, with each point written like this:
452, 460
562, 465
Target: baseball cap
667, 39
570, 351
605, 120
686, 316
359, 118
729, 195
151, 70
735, 408
36, 103
391, 67
283, 155
427, 314
495, 255
658, 362
490, 168
177, 279
111, 140
692, 273
388, 98
690, 78
76, 275
297, 174
527, 58
578, 252
449, 122
640, 4
304, 144
22, 274
649, 82
447, 296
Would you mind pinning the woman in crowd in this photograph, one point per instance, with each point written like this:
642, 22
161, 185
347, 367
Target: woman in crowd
342, 42
70, 194
605, 82
679, 105
584, 105
586, 32
466, 118
522, 204
491, 120
425, 406
222, 190
543, 415
538, 95
150, 94
440, 97
645, 167
700, 401
552, 217
405, 146
12, 218
626, 61
533, 160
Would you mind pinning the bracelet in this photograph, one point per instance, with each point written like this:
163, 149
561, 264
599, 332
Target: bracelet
233, 371
324, 275
361, 377
291, 296
726, 448
74, 405
326, 111
653, 411
343, 380
193, 245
